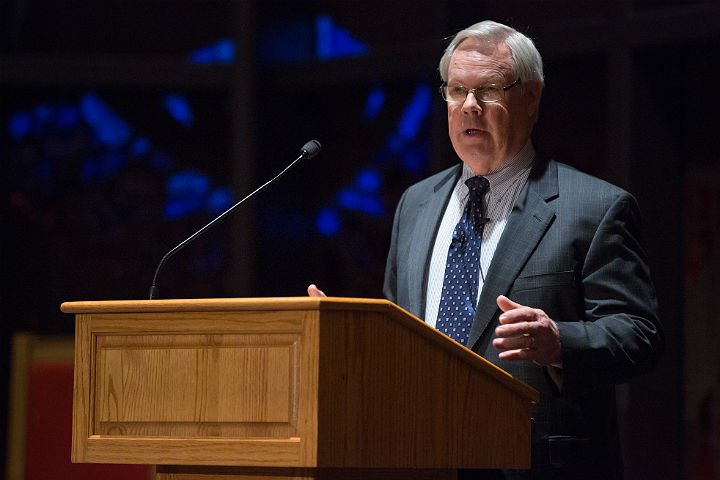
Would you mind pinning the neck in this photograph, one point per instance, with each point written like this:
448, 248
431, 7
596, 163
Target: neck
523, 155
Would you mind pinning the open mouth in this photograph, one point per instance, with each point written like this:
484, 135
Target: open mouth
473, 131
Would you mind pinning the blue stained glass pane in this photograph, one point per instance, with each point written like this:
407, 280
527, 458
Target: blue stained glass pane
332, 41
351, 200
109, 128
188, 184
344, 45
179, 109
140, 147
374, 104
202, 55
223, 52
181, 207
20, 125
328, 222
219, 200
347, 199
395, 143
113, 133
368, 180
370, 205
415, 113
415, 158
323, 36
68, 116
175, 209
43, 112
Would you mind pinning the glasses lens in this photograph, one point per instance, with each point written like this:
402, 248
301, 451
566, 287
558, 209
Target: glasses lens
456, 93
491, 93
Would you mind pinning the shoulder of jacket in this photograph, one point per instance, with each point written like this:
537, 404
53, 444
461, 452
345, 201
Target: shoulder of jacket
593, 187
437, 180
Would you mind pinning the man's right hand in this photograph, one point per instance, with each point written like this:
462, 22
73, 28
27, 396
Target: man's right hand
313, 291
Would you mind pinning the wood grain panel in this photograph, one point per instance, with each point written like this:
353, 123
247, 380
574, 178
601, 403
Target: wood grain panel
196, 387
231, 379
392, 399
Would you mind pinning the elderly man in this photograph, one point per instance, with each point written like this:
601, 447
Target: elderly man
533, 265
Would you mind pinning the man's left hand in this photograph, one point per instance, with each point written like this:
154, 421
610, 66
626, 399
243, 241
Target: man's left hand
526, 333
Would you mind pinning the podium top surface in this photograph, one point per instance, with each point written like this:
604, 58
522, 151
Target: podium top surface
227, 304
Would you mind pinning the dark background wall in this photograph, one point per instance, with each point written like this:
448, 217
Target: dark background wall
126, 125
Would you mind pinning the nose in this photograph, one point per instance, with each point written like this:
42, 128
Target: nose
471, 104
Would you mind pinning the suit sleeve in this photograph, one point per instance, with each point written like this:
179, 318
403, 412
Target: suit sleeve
390, 283
620, 336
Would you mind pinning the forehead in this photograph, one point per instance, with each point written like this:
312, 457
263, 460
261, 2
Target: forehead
475, 59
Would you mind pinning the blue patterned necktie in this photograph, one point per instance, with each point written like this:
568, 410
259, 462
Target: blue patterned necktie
460, 286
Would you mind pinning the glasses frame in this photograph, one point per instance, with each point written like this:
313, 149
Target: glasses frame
444, 86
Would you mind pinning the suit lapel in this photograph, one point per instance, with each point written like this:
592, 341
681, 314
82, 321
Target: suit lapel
428, 221
526, 226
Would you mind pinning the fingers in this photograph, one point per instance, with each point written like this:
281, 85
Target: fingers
506, 304
518, 342
513, 312
525, 347
517, 325
516, 338
517, 329
519, 354
526, 333
313, 291
524, 342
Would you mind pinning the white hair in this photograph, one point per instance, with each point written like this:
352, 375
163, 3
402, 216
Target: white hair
527, 63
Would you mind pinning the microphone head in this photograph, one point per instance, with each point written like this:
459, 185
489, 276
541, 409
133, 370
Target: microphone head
311, 149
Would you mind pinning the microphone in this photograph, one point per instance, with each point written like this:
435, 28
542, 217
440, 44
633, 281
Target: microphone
309, 150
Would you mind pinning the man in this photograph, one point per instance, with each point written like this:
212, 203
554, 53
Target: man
531, 264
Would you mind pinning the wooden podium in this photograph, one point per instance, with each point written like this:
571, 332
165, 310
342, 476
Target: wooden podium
301, 387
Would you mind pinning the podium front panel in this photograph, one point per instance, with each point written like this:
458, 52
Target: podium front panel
204, 385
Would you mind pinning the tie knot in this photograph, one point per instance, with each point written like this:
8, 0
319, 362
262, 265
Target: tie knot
478, 186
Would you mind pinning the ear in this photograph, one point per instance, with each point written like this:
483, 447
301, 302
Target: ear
533, 91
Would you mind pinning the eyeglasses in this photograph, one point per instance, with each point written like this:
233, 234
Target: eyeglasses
488, 94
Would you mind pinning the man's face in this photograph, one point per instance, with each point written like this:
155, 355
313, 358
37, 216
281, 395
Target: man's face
485, 135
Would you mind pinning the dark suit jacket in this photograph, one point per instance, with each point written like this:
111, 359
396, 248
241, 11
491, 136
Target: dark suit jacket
570, 248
